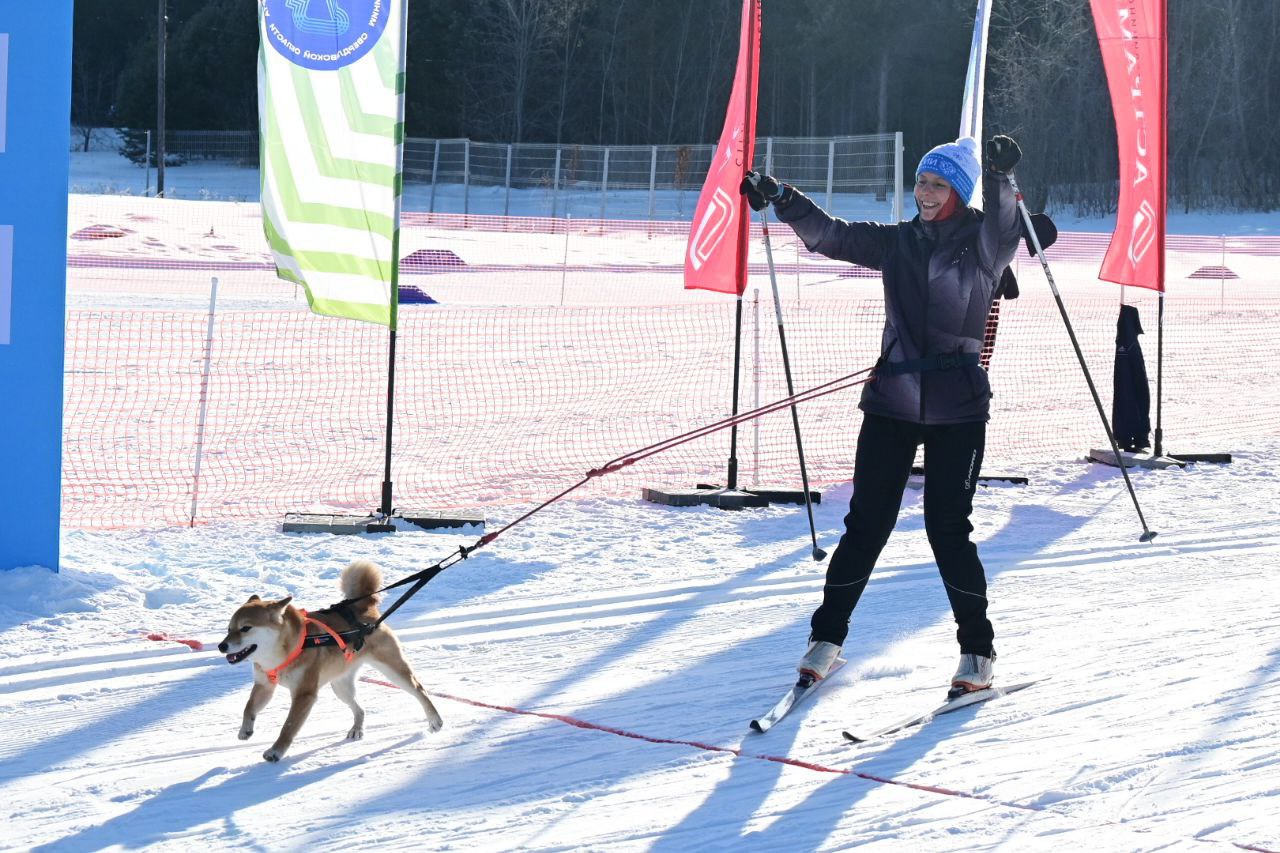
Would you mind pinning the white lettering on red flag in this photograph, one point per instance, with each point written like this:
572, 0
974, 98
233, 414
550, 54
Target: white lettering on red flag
1132, 36
716, 257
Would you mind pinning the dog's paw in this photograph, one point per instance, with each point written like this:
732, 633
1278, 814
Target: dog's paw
434, 722
245, 733
273, 754
356, 733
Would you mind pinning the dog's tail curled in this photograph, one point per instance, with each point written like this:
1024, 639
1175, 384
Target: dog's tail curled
362, 580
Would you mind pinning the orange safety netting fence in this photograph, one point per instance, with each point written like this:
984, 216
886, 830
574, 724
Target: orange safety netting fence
532, 350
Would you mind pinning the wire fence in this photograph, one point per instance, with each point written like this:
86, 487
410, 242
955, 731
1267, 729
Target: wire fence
858, 177
531, 350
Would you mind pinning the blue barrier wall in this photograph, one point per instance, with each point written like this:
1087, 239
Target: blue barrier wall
35, 117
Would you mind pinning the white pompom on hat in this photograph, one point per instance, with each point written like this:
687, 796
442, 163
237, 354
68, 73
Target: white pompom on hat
957, 162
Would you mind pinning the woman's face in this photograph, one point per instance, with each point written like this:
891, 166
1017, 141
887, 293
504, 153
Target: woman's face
931, 194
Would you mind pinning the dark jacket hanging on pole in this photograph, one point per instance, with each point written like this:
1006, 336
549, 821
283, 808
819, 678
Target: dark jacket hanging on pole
1131, 402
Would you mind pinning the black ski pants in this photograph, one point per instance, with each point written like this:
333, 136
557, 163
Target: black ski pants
952, 460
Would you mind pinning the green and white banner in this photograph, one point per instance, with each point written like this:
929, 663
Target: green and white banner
331, 111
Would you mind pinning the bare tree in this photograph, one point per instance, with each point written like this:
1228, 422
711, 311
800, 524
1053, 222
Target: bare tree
1042, 56
715, 79
674, 62
607, 57
91, 97
567, 30
511, 35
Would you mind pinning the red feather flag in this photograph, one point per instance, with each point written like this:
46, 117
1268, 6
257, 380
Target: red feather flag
716, 256
1133, 38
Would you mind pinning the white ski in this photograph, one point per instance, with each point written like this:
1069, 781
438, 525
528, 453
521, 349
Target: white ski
962, 701
802, 688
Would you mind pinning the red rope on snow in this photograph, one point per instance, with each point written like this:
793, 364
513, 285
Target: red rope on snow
777, 759
165, 638
584, 724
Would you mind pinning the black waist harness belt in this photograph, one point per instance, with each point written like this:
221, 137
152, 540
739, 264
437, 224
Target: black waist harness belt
941, 361
354, 636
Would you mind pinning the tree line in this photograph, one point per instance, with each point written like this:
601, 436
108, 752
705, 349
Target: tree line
658, 72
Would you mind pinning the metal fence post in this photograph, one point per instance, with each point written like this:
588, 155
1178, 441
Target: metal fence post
1222, 276
897, 176
604, 183
555, 185
564, 265
435, 164
797, 245
147, 191
755, 370
653, 177
204, 398
831, 169
768, 155
466, 176
506, 204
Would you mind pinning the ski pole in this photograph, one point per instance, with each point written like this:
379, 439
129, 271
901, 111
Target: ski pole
818, 553
1147, 533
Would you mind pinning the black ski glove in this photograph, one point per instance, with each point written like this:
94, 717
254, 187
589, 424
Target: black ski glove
761, 190
1002, 154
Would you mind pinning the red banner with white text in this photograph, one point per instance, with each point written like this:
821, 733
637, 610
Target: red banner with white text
716, 255
1132, 35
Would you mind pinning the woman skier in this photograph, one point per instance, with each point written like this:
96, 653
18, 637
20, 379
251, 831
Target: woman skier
940, 272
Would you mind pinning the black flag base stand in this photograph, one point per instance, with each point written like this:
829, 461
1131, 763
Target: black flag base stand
1151, 460
786, 496
1134, 460
729, 498
1216, 458
399, 519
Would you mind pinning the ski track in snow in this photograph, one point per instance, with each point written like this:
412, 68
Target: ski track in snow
1154, 730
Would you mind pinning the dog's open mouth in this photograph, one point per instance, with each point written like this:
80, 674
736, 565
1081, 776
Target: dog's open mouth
236, 657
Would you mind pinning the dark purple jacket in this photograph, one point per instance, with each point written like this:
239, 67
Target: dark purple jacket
939, 282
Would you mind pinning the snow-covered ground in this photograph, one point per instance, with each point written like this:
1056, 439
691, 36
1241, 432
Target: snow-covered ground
597, 666
598, 663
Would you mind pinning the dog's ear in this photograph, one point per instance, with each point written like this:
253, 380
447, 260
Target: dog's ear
252, 599
276, 609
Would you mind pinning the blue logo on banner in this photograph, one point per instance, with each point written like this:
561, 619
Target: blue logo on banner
324, 35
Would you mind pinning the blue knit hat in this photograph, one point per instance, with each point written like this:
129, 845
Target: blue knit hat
957, 162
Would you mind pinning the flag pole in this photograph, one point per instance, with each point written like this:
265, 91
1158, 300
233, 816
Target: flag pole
1158, 450
1163, 119
386, 508
974, 86
719, 240
732, 479
744, 231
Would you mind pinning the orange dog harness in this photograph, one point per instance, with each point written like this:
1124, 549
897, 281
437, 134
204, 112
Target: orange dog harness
273, 675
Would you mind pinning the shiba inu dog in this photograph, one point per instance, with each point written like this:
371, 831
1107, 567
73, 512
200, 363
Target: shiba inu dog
305, 651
